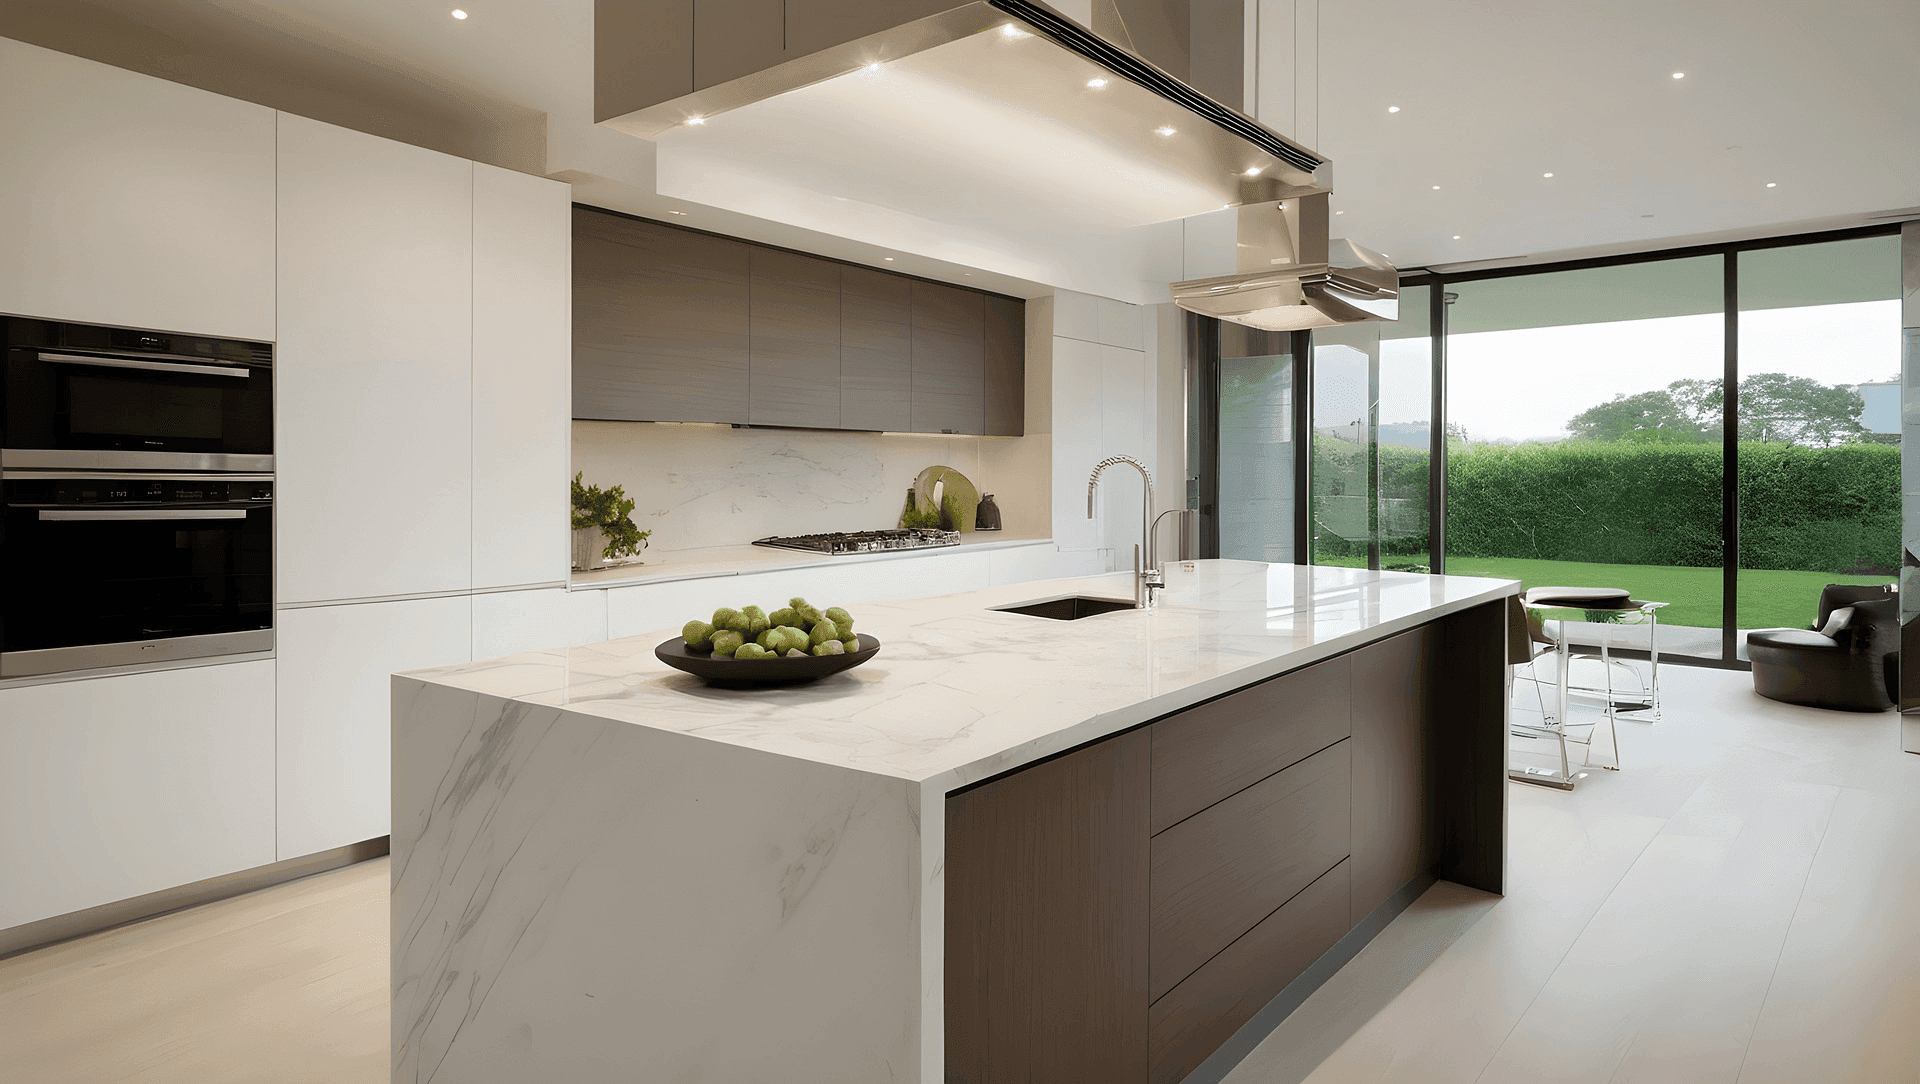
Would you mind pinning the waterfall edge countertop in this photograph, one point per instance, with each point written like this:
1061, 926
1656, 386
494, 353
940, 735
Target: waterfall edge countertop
961, 691
605, 870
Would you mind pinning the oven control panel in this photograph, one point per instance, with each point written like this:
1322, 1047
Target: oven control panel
67, 492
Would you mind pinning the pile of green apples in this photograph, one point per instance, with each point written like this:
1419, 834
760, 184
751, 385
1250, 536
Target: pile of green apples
794, 631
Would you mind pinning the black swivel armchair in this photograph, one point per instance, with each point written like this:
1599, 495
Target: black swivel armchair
1849, 664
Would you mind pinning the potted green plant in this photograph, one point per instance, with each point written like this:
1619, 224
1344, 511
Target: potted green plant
603, 528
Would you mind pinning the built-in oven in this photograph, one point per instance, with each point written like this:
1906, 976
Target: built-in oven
77, 396
115, 568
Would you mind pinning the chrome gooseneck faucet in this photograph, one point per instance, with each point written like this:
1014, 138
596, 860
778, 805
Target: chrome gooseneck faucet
1147, 578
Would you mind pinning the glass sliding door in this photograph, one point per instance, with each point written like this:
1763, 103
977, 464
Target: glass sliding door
1258, 447
1585, 435
1405, 434
1819, 416
1344, 510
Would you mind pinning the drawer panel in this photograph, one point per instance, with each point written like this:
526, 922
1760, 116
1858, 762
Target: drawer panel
1205, 754
1215, 875
1195, 1017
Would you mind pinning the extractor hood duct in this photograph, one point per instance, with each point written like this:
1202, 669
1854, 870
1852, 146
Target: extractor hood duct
1291, 276
1002, 111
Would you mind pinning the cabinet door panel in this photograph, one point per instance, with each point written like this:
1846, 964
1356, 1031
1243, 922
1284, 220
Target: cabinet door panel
374, 441
334, 719
1195, 1017
522, 372
115, 787
1006, 367
659, 322
1046, 921
1218, 873
133, 201
876, 350
794, 340
1392, 824
949, 359
1207, 753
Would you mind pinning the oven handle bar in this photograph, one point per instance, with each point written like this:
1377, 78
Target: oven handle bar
142, 363
112, 515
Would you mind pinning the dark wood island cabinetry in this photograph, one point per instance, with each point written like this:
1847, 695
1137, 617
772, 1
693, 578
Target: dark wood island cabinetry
1122, 911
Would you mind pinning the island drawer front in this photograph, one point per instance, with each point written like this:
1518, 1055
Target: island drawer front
1222, 747
1215, 875
1195, 1017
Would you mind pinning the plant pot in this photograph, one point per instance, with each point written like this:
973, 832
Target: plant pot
590, 542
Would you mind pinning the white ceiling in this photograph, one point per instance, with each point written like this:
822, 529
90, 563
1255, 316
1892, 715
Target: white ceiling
1820, 97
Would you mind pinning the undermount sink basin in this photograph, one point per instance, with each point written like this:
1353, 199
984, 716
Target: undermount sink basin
1071, 608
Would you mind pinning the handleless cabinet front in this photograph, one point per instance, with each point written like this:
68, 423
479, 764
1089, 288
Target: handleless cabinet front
793, 340
876, 350
660, 322
949, 359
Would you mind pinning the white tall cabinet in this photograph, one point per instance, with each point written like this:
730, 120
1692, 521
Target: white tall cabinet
132, 201
422, 440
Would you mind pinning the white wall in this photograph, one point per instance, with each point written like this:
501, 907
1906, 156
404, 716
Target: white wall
1105, 360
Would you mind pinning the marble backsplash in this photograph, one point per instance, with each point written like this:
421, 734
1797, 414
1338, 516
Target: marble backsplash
696, 486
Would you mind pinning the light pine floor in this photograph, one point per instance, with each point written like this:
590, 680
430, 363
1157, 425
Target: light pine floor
1741, 904
284, 986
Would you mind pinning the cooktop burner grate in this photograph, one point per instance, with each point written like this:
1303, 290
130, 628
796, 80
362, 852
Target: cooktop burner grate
841, 543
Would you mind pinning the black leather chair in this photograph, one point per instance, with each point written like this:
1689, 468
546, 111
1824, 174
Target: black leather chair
1857, 668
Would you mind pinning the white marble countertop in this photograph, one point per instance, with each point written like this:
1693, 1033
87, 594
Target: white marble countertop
713, 561
960, 692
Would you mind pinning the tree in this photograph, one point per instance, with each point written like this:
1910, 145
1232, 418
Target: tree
1798, 410
1774, 407
1679, 413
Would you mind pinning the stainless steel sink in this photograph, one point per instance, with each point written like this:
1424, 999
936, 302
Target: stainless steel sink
1070, 608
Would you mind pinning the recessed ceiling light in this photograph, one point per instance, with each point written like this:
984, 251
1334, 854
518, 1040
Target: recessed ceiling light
1546, 175
1164, 131
1339, 212
1679, 75
1012, 31
889, 259
1096, 83
459, 14
1436, 188
696, 120
1770, 184
676, 212
1254, 172
1456, 237
1393, 109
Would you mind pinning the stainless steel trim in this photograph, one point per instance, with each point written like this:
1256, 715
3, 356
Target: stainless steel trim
48, 931
110, 460
139, 476
142, 363
55, 660
129, 515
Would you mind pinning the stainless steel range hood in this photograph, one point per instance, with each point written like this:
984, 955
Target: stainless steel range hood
1291, 276
975, 110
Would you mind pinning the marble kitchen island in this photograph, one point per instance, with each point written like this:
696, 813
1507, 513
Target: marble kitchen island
970, 858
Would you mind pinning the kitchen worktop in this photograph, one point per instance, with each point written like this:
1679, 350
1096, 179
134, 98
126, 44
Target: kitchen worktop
604, 869
712, 561
960, 691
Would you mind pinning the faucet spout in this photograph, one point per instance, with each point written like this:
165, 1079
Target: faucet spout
1147, 578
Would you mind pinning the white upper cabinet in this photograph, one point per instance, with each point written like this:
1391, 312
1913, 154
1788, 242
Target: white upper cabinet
133, 201
374, 373
522, 377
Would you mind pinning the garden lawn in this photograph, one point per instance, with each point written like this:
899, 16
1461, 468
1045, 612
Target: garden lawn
1768, 599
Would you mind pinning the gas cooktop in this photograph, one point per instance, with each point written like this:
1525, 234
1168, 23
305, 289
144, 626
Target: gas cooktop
839, 544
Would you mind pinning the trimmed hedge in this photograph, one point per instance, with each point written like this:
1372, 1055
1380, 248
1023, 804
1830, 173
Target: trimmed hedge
1807, 509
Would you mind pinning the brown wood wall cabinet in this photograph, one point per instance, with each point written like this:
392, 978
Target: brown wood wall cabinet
675, 325
1094, 935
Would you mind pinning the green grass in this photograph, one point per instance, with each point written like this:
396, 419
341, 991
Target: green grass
1768, 599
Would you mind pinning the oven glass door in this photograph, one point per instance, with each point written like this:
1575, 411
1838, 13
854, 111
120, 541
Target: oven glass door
86, 584
62, 400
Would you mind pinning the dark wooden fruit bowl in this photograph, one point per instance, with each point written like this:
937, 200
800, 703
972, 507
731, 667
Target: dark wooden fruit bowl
727, 672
